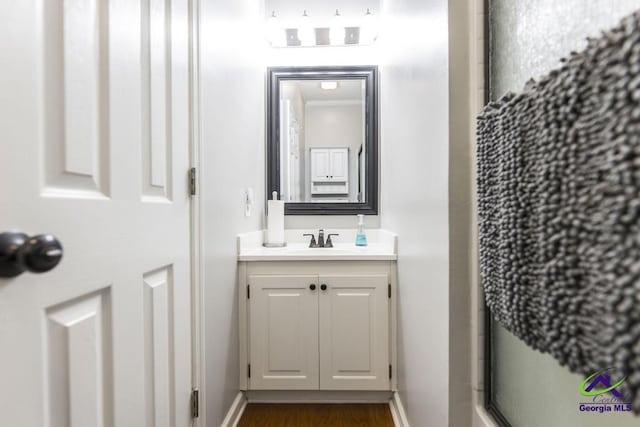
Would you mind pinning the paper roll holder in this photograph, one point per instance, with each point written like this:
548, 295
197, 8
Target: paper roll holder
275, 245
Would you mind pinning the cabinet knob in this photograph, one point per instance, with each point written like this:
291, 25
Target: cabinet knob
312, 287
323, 287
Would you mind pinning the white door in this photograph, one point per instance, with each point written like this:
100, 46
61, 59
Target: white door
339, 161
354, 333
283, 330
94, 149
320, 165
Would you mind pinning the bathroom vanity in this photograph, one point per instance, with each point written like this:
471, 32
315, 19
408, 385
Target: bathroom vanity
317, 318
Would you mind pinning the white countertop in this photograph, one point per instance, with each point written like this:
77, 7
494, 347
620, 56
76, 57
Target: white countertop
382, 246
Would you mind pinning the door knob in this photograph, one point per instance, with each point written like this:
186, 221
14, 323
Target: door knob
312, 287
20, 253
323, 287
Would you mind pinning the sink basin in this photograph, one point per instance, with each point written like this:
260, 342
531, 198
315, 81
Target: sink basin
382, 246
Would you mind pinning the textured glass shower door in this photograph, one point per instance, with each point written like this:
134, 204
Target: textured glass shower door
527, 38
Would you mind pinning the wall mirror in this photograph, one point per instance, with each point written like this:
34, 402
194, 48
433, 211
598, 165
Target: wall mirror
322, 141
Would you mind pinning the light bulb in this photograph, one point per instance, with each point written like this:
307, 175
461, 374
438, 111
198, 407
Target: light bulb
275, 34
305, 32
329, 85
336, 29
369, 28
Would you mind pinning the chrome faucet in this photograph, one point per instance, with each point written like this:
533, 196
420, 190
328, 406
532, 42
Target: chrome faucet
312, 243
321, 242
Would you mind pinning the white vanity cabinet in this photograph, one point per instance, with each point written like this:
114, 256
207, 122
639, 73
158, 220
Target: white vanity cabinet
317, 325
354, 332
283, 332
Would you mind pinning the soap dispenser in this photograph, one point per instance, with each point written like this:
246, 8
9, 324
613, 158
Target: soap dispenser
361, 238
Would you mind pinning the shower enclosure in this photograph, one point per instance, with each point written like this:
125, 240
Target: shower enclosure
526, 39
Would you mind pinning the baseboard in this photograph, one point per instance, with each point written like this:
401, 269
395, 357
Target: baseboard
235, 411
317, 396
397, 411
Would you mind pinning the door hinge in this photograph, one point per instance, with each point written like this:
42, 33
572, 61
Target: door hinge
195, 404
192, 181
389, 371
249, 370
248, 291
389, 290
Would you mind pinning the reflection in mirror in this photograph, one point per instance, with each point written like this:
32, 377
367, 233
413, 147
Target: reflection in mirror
322, 140
322, 144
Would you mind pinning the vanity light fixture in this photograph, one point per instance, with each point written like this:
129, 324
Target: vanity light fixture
329, 85
336, 29
339, 31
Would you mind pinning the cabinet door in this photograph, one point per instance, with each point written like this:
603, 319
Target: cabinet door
354, 333
320, 170
339, 161
283, 324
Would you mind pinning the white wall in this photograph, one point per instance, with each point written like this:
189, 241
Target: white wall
320, 11
414, 157
232, 114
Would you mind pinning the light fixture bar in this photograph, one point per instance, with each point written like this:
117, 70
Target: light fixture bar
307, 33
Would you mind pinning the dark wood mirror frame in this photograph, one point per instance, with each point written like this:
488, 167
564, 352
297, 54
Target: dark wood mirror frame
370, 76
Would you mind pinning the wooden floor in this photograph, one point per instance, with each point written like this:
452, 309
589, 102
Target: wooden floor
316, 415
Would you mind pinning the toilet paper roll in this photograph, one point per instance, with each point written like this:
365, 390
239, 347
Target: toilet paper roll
275, 221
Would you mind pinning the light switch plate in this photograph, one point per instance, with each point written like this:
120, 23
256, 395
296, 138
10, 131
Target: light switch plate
248, 201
